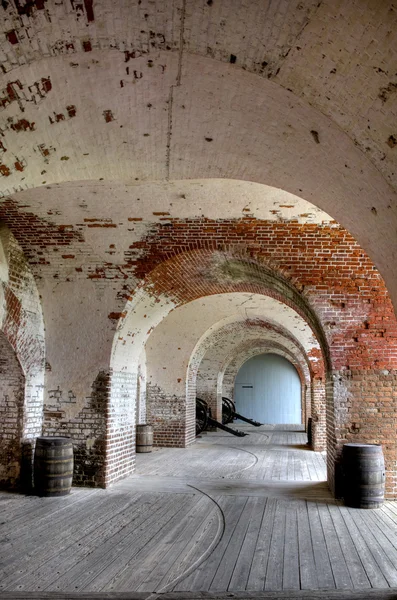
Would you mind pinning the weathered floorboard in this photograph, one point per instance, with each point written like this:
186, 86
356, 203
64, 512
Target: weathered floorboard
244, 516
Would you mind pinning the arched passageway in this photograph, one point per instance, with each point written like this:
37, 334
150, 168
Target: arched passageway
22, 364
235, 155
268, 390
293, 354
164, 172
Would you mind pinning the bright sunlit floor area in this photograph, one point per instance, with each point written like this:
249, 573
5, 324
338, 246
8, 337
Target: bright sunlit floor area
227, 514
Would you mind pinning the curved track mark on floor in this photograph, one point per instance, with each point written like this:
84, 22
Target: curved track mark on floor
218, 536
244, 468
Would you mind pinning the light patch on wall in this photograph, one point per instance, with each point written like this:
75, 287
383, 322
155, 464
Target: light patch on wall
143, 313
3, 259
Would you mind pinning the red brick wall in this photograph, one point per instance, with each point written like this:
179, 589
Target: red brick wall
324, 262
22, 326
328, 268
318, 269
120, 389
364, 411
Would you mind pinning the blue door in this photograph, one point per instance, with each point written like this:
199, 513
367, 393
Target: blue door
268, 389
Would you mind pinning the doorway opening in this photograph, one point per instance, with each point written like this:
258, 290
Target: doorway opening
268, 390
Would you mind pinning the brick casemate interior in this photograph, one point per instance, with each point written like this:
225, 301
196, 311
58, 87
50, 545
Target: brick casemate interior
182, 188
317, 271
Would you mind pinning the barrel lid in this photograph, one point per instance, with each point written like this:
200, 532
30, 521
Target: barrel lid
57, 441
355, 445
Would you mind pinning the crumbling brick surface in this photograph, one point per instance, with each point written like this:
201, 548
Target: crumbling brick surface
12, 384
324, 263
328, 279
22, 361
167, 414
87, 430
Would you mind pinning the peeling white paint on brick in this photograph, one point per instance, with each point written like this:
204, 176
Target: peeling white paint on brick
143, 313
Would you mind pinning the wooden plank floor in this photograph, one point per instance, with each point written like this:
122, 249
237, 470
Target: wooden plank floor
228, 514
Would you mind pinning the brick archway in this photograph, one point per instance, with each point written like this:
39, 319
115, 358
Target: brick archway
189, 275
229, 343
174, 283
23, 351
226, 378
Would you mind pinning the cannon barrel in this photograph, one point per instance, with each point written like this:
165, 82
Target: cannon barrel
204, 418
229, 413
235, 432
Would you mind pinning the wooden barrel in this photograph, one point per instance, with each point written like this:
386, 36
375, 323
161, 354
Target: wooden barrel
310, 431
144, 438
364, 475
53, 466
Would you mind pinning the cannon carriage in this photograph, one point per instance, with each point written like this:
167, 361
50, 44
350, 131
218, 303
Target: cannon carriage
204, 419
229, 413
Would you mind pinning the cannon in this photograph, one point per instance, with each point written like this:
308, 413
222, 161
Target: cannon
204, 418
229, 413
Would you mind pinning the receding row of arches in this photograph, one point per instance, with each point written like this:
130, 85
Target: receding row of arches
198, 311
166, 353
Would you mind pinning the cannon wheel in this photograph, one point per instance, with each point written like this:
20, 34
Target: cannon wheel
201, 416
227, 410
232, 405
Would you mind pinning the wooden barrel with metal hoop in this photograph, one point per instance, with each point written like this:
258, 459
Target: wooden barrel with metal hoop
364, 475
53, 466
144, 438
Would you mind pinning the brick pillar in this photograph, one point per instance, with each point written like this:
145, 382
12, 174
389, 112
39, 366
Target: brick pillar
167, 414
306, 403
332, 447
12, 386
120, 425
318, 411
366, 412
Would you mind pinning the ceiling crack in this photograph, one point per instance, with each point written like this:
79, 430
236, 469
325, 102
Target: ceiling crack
171, 95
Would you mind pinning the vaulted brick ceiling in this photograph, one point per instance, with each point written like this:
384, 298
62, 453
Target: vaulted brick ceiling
338, 56
154, 152
297, 95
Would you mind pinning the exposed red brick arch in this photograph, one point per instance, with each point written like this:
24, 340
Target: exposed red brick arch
348, 295
22, 321
323, 263
22, 330
172, 283
196, 273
